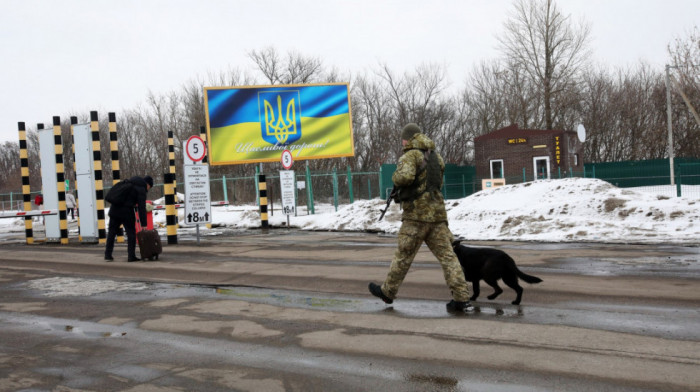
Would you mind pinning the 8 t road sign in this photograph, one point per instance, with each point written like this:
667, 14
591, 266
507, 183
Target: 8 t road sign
197, 195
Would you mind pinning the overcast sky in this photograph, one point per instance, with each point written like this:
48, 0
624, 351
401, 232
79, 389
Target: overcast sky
60, 58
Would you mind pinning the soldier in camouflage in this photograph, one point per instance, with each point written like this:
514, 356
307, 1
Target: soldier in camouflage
418, 180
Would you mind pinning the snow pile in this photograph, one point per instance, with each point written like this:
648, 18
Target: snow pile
575, 209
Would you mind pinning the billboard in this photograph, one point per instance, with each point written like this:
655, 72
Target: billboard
256, 123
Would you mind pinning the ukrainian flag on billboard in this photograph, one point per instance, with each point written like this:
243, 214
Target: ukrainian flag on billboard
255, 124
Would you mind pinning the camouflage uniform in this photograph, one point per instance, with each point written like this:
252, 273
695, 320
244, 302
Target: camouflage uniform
424, 220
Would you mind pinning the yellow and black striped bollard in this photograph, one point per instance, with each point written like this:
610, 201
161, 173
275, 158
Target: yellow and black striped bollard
262, 191
99, 183
171, 161
170, 211
60, 180
26, 191
114, 150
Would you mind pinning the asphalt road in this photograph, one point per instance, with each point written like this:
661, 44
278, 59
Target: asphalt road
290, 310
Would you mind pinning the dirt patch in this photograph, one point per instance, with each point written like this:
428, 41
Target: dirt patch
613, 203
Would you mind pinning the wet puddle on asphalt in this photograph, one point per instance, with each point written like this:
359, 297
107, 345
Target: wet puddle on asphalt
671, 322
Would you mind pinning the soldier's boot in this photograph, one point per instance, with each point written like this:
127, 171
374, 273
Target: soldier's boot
459, 307
376, 290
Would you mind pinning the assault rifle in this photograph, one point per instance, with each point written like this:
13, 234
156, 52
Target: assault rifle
389, 198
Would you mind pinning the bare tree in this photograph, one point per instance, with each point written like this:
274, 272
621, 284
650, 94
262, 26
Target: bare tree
624, 113
10, 173
685, 58
373, 124
552, 51
295, 68
419, 97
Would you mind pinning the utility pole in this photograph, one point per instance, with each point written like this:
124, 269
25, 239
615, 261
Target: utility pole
670, 126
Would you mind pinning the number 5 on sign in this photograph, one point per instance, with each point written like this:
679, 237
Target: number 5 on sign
195, 150
287, 159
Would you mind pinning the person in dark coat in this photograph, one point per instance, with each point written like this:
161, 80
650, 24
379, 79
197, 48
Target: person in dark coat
122, 213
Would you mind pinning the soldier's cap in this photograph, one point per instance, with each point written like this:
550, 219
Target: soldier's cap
409, 131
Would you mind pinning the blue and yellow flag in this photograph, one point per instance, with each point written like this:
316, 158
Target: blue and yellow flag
255, 124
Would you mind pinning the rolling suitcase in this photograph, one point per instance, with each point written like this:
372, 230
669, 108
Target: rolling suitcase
149, 244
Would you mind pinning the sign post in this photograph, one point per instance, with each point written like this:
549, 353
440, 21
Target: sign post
287, 185
197, 192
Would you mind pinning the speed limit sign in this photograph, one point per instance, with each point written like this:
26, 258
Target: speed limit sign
287, 159
195, 150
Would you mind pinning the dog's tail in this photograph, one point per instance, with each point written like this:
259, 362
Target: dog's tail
527, 278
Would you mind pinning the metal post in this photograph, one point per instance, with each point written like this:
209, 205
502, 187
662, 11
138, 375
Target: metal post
352, 198
335, 189
257, 189
444, 186
669, 124
223, 184
309, 191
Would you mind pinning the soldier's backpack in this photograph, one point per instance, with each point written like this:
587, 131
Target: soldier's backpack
433, 180
119, 193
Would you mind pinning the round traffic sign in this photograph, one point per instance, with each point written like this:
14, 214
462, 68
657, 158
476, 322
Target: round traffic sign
287, 159
195, 148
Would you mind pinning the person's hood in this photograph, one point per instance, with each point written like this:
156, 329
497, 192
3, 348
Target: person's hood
138, 181
419, 141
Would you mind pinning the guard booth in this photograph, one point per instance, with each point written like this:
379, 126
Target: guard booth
518, 155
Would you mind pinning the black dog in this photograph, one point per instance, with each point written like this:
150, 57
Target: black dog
490, 265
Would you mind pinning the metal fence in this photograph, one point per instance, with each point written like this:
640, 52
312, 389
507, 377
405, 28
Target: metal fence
316, 191
649, 176
322, 191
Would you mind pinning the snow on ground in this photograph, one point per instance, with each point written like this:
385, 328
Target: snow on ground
565, 210
575, 210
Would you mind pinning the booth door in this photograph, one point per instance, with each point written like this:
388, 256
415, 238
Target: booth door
541, 167
496, 168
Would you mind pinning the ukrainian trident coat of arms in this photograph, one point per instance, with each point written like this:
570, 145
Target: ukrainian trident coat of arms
281, 119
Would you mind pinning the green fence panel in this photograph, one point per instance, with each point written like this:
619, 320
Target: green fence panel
459, 181
628, 174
